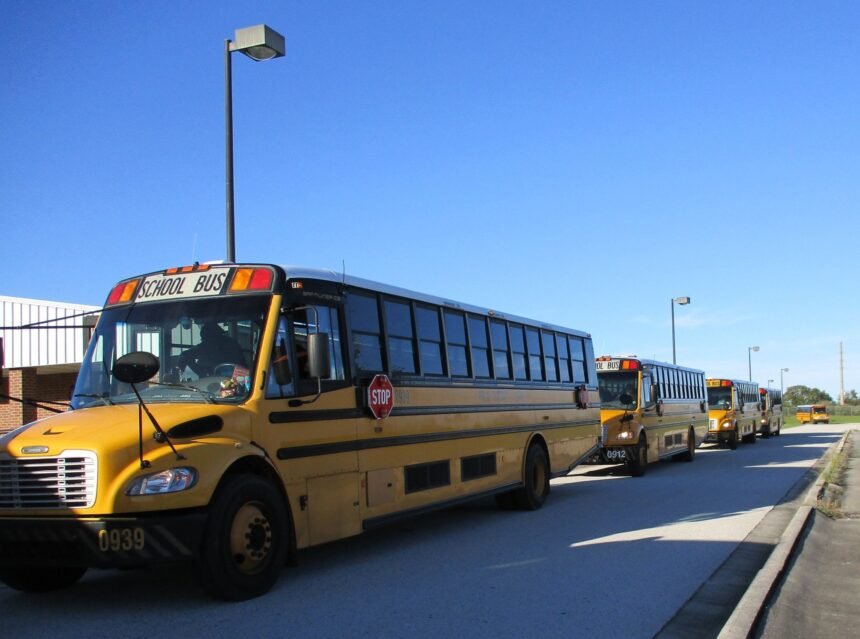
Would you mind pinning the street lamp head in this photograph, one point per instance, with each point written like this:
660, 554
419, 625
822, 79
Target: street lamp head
754, 349
784, 370
681, 300
259, 43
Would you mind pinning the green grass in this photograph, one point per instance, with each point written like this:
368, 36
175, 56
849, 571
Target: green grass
791, 420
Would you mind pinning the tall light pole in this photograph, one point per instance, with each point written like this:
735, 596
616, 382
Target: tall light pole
750, 350
258, 43
681, 301
781, 371
769, 382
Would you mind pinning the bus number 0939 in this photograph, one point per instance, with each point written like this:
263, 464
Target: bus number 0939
121, 539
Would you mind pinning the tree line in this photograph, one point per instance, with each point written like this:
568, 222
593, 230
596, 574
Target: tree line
796, 395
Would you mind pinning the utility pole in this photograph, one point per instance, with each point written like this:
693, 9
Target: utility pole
841, 378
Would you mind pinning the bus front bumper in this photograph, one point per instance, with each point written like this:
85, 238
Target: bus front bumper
718, 436
102, 542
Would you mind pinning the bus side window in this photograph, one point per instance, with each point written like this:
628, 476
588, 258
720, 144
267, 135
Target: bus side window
646, 391
279, 380
321, 319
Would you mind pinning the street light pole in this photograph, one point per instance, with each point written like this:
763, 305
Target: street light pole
750, 350
781, 371
682, 301
228, 118
258, 43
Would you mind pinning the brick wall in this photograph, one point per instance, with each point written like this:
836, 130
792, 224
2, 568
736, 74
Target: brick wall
24, 382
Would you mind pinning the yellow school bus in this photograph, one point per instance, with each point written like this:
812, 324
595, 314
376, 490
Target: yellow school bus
734, 411
649, 411
771, 411
812, 414
229, 415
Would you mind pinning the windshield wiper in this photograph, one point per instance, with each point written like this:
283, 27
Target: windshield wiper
106, 400
205, 394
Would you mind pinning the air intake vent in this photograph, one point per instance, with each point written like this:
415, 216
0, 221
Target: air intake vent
66, 481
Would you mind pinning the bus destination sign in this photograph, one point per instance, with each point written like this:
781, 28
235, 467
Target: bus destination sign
164, 286
608, 364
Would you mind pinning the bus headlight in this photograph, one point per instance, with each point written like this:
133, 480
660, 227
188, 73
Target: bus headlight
727, 424
167, 481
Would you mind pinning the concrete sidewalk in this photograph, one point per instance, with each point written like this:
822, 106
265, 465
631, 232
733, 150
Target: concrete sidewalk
810, 585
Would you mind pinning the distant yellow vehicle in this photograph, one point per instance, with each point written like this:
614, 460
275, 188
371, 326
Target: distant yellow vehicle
812, 414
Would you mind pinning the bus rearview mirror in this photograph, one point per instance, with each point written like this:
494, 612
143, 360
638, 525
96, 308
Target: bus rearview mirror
136, 367
319, 357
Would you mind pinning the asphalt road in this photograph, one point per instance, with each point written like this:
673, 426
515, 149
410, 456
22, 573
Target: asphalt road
608, 556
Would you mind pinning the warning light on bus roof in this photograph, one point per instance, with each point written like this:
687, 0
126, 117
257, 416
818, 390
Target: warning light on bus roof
187, 269
123, 292
251, 279
630, 365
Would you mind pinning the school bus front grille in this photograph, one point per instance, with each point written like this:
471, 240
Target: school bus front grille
67, 481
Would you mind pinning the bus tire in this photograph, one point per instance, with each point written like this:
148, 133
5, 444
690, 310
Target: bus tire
246, 540
690, 455
637, 466
765, 431
40, 578
733, 439
778, 429
535, 479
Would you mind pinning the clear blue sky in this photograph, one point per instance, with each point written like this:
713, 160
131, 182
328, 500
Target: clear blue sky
577, 162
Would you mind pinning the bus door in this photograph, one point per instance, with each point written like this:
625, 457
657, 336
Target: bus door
313, 428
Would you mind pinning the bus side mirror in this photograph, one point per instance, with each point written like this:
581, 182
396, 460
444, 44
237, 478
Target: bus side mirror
319, 356
136, 367
655, 392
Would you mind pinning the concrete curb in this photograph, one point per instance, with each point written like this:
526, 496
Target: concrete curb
747, 613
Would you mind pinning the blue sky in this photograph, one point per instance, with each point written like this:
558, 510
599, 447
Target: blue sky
577, 162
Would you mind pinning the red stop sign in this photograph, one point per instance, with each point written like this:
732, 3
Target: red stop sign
380, 396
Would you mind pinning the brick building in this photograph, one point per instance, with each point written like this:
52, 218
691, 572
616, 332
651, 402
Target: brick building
39, 363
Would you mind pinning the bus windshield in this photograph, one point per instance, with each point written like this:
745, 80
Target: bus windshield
206, 349
720, 397
819, 409
615, 386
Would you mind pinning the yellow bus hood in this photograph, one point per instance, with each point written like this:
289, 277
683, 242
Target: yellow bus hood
111, 429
